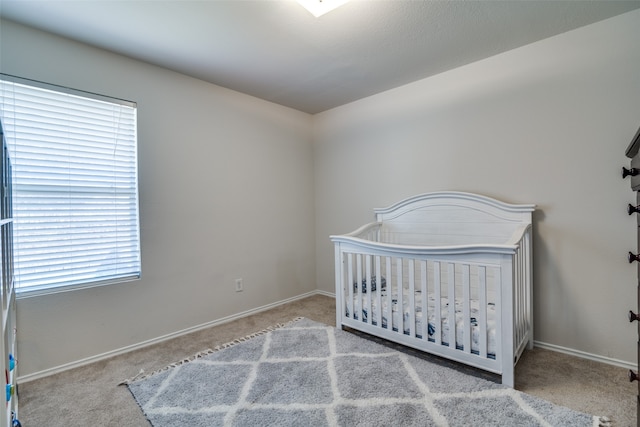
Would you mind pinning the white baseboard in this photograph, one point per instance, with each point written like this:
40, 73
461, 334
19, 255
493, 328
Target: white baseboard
57, 369
325, 293
585, 355
96, 358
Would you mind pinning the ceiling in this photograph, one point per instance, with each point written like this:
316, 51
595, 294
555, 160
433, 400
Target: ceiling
278, 51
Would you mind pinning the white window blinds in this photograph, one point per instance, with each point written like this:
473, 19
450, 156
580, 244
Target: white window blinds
75, 186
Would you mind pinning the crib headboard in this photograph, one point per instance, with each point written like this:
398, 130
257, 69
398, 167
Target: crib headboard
452, 218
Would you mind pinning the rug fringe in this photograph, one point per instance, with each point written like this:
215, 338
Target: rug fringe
142, 375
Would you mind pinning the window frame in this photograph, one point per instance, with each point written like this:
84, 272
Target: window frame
36, 290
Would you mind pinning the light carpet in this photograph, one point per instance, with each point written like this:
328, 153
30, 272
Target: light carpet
306, 373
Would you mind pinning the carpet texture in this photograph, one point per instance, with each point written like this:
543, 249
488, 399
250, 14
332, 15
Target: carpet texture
309, 374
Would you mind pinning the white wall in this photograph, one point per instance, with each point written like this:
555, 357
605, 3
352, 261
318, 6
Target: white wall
547, 124
226, 191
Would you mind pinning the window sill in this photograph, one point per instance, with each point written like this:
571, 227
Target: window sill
49, 290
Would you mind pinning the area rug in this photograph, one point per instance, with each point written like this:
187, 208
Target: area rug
309, 374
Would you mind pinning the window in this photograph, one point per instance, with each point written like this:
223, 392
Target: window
75, 186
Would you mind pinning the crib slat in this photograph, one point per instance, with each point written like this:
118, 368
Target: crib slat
499, 301
437, 286
399, 282
523, 294
368, 288
379, 292
451, 297
359, 301
412, 298
341, 304
424, 300
516, 303
519, 298
349, 284
466, 312
482, 311
389, 293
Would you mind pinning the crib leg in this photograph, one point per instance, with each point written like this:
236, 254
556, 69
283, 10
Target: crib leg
530, 333
508, 375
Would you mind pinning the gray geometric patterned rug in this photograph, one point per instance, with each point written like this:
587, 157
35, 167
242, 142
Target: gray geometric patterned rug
309, 374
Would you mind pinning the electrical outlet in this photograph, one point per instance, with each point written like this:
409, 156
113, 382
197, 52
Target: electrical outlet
239, 285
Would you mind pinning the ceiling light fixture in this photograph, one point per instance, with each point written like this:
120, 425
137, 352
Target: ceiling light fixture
320, 7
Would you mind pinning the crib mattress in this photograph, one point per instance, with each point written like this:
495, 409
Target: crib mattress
361, 305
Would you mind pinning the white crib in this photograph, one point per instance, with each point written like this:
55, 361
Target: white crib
448, 273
